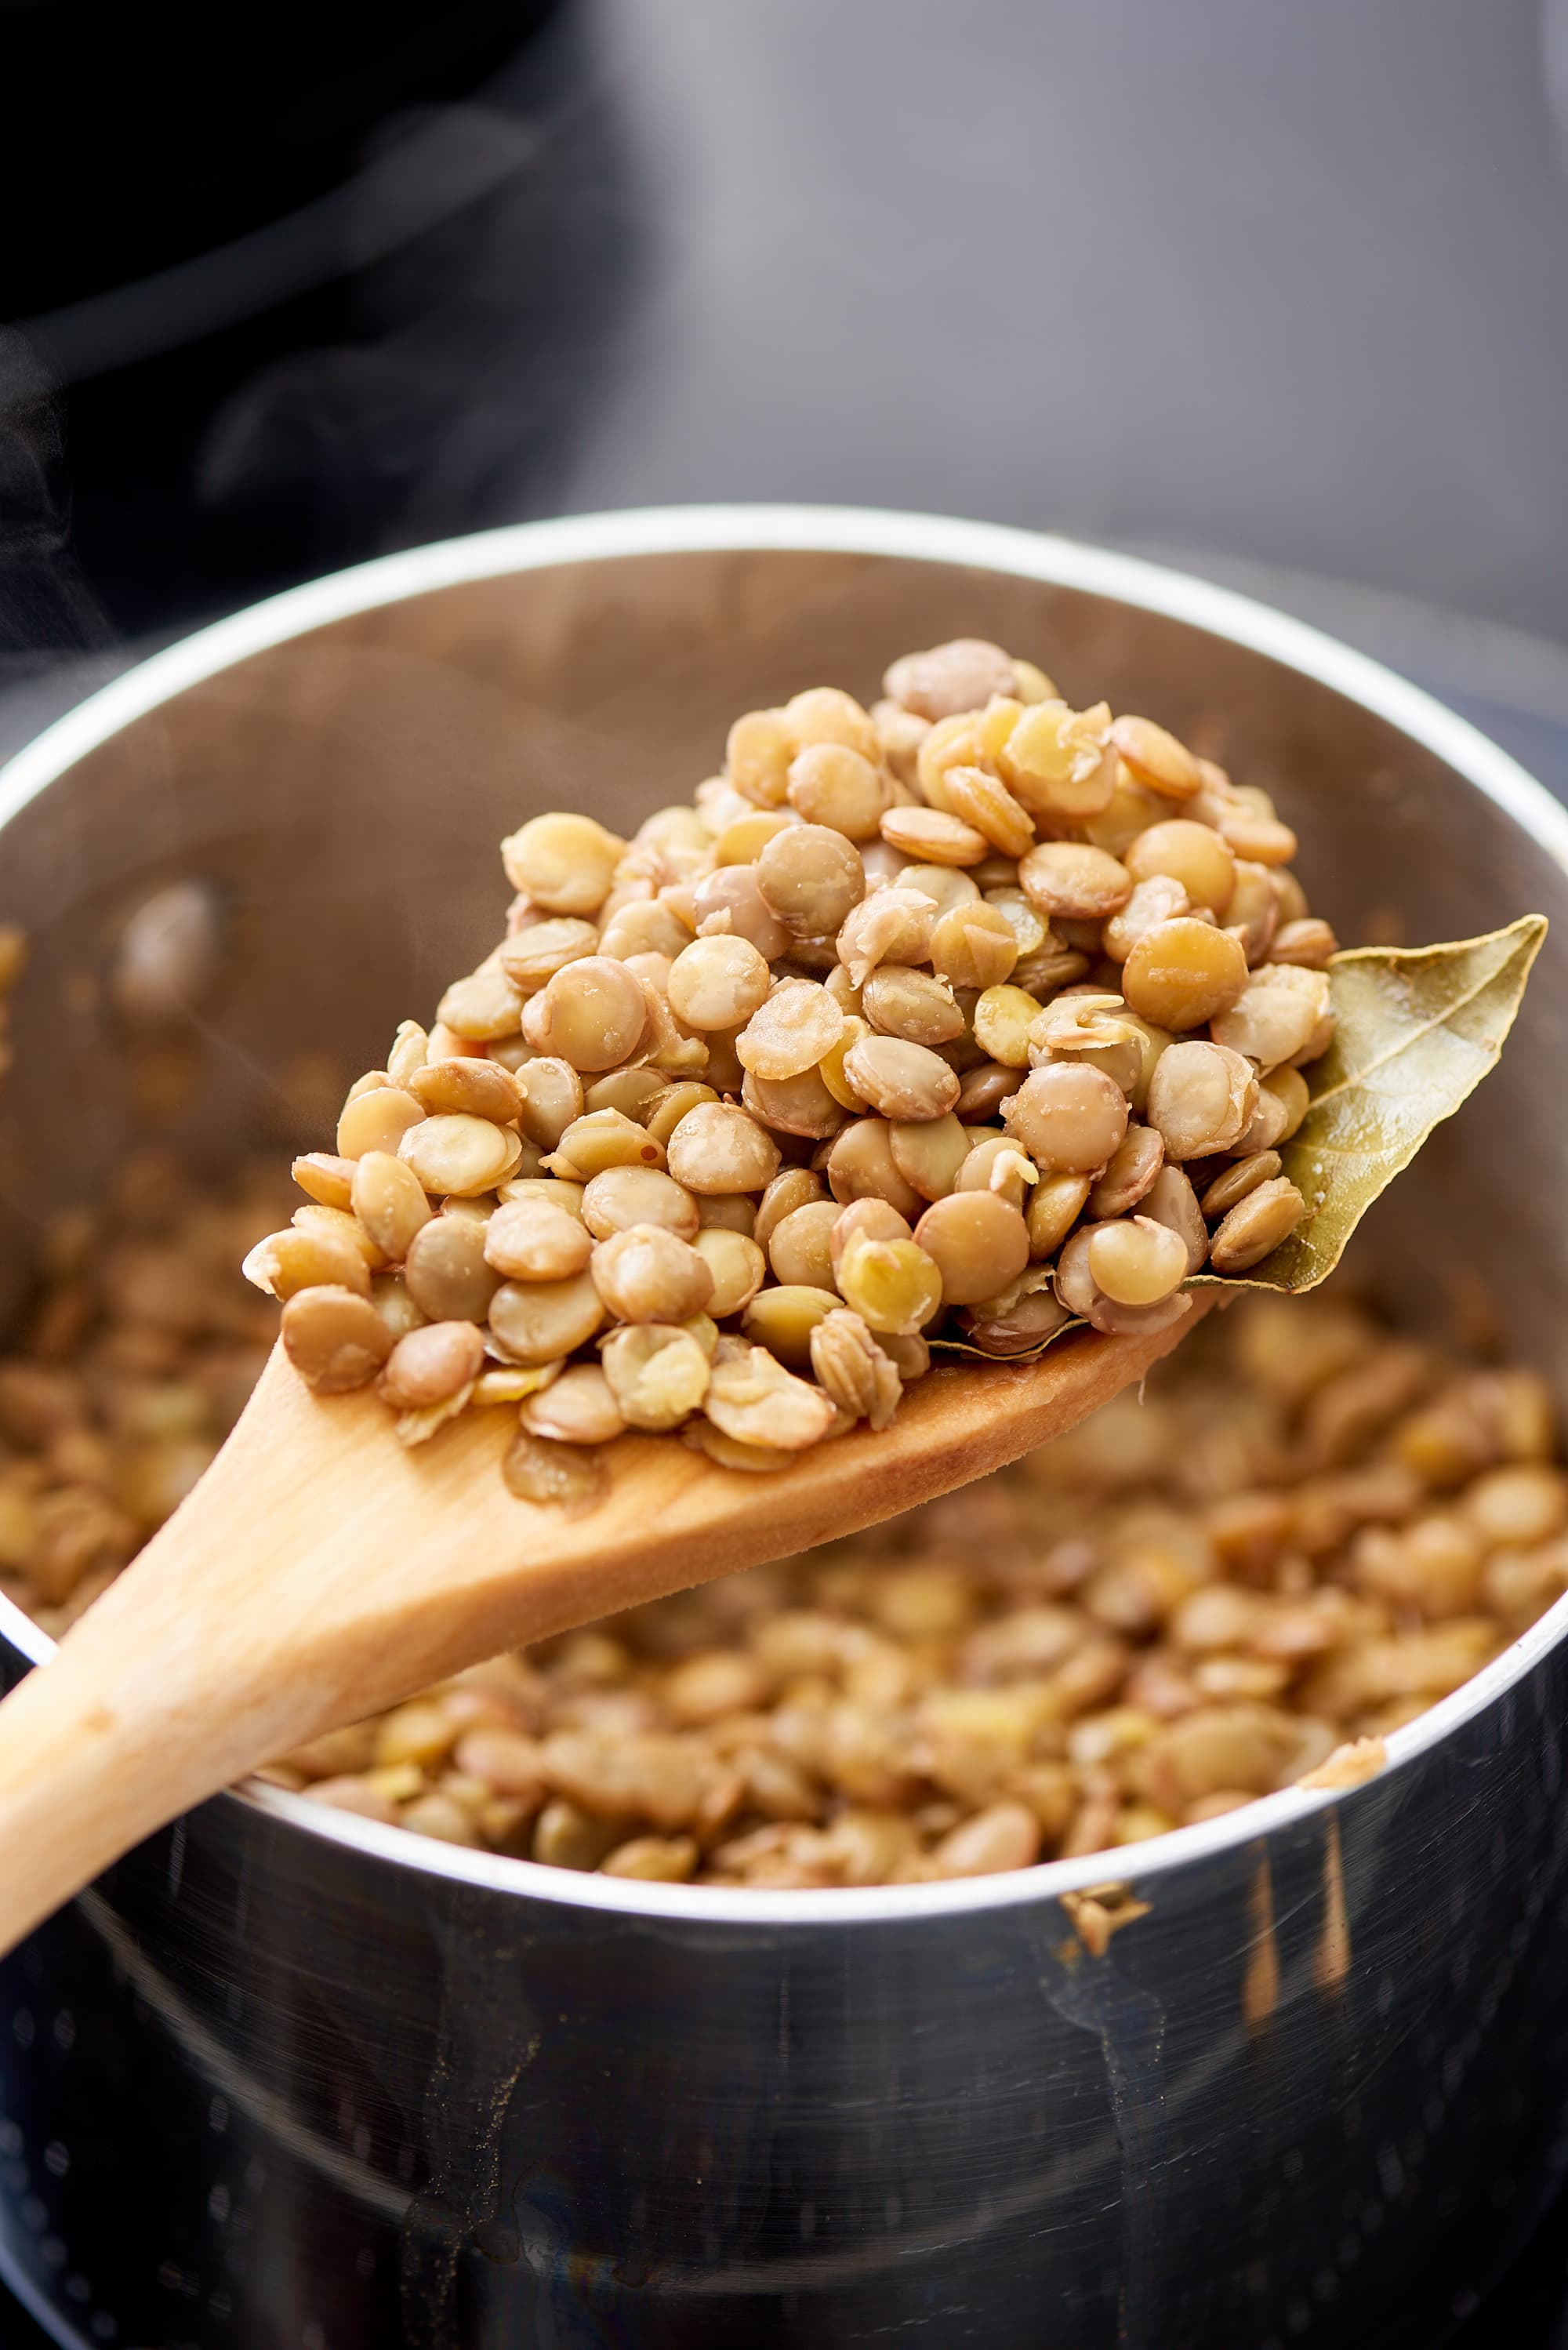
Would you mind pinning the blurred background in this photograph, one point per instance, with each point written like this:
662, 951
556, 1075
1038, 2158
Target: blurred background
1274, 289
1280, 292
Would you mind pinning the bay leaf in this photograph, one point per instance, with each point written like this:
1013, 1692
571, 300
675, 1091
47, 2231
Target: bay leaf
1417, 1029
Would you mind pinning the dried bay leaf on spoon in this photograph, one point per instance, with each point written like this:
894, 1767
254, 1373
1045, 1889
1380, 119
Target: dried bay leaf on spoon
1417, 1029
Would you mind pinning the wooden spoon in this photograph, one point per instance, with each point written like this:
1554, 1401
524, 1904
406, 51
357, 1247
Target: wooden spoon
320, 1572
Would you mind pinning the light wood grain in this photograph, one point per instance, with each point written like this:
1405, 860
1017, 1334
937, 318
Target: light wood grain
320, 1572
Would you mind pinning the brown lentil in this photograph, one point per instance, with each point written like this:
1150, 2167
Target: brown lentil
1201, 1099
1171, 1200
1059, 761
1003, 1016
288, 1262
1279, 1012
448, 1275
832, 785
860, 1166
893, 925
431, 1364
928, 1153
579, 1408
1290, 1089
1256, 1226
564, 863
894, 1285
950, 678
730, 1211
934, 837
656, 1372
552, 1098
718, 982
974, 945
728, 901
716, 1147
1253, 912
1055, 1203
853, 1370
458, 1155
783, 1318
1310, 942
977, 1241
535, 953
1194, 855
942, 884
1136, 1261
754, 1399
899, 1079
984, 801
389, 1202
621, 1196
922, 1010
809, 877
554, 1476
984, 1088
590, 1014
1158, 899
335, 1338
543, 1321
376, 1120
1243, 1176
737, 1268
1156, 759
1073, 880
480, 1008
1183, 972
325, 1178
647, 1274
791, 1032
795, 1188
992, 1161
1068, 1118
800, 1248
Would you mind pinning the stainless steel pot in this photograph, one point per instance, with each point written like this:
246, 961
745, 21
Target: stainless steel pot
290, 2080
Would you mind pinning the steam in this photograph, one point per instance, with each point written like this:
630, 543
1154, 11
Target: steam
45, 603
490, 271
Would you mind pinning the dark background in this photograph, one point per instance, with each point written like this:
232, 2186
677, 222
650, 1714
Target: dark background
1277, 289
1281, 291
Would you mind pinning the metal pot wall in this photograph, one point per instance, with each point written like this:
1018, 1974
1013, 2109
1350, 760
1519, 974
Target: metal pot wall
290, 2080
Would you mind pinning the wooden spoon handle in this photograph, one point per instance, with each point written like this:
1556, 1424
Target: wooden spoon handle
150, 1703
84, 1775
218, 1648
307, 1581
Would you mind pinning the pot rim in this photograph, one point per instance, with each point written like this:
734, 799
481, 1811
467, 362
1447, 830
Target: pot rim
913, 537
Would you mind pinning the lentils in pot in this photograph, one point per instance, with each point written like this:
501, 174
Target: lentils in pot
1037, 981
1310, 1530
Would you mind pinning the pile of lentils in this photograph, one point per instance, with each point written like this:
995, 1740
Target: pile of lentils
1310, 1528
962, 1017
